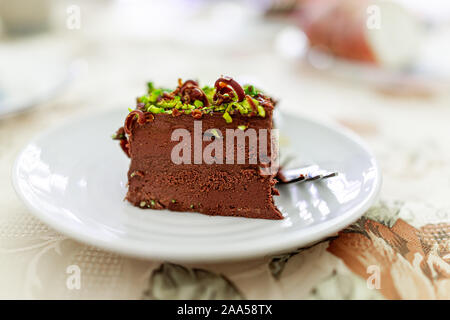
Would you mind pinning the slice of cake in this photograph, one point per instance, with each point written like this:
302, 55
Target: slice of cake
209, 150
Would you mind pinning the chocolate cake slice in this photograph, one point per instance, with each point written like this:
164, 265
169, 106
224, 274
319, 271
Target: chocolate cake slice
207, 150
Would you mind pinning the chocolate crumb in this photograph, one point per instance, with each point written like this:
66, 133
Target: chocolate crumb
197, 114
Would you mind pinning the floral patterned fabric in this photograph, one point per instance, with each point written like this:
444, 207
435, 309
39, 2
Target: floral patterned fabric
413, 262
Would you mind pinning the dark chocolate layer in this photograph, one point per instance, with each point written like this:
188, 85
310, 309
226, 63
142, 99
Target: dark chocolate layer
215, 189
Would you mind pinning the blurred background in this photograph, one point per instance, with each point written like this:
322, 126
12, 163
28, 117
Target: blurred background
381, 68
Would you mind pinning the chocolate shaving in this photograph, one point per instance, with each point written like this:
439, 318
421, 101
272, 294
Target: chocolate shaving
266, 102
225, 95
120, 134
168, 96
189, 91
131, 119
158, 205
176, 112
226, 82
252, 104
125, 146
149, 117
197, 114
187, 84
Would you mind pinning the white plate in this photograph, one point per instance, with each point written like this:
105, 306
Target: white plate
73, 178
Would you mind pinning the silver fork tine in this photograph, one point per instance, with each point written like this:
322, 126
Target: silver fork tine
305, 174
295, 173
320, 177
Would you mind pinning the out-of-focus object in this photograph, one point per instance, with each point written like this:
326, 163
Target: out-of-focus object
291, 43
372, 31
24, 16
391, 45
32, 72
433, 12
276, 7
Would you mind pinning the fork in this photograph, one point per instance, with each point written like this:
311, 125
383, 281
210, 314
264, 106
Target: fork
304, 174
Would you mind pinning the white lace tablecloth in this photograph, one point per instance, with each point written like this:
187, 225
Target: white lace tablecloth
406, 234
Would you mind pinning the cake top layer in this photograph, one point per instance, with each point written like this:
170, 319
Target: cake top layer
226, 96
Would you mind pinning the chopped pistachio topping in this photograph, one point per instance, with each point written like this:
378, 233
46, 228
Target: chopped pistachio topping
154, 109
250, 90
116, 136
152, 202
242, 127
209, 92
261, 111
227, 117
150, 86
156, 101
173, 200
198, 103
142, 204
